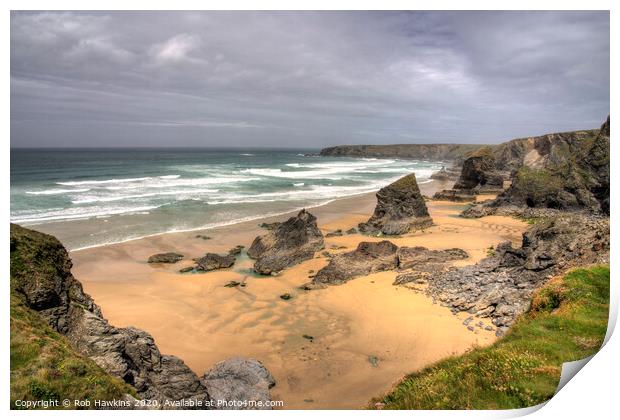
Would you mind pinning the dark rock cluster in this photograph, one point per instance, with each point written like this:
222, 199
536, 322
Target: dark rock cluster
500, 287
371, 257
286, 244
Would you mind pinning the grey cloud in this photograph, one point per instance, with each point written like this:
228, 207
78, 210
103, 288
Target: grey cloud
303, 79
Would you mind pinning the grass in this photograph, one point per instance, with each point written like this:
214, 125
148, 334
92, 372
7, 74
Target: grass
44, 366
567, 321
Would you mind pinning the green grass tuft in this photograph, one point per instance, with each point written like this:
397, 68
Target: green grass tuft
567, 321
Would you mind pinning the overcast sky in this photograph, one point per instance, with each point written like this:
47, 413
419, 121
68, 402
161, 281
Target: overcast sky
304, 79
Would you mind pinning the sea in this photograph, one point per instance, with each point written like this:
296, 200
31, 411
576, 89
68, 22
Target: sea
93, 197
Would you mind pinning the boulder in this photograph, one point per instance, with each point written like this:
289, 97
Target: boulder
409, 257
369, 257
400, 209
213, 261
165, 258
286, 244
459, 196
241, 380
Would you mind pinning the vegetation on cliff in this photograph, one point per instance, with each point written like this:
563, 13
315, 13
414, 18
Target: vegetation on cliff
44, 366
567, 321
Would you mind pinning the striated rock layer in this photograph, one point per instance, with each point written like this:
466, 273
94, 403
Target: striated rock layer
286, 244
400, 209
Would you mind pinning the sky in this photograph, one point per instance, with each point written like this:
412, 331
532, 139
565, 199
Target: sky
303, 79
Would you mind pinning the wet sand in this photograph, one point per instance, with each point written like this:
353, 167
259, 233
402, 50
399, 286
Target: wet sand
367, 332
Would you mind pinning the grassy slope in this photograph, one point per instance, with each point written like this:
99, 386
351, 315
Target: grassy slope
568, 321
43, 364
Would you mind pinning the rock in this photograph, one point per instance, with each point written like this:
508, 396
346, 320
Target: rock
479, 173
286, 296
400, 209
308, 337
409, 257
213, 261
561, 171
337, 232
500, 286
204, 237
287, 244
165, 258
410, 277
459, 196
186, 269
236, 250
442, 175
49, 288
232, 283
351, 231
373, 360
403, 151
239, 380
369, 257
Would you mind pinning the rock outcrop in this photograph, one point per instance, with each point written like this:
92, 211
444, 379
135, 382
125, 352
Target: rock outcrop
400, 209
568, 171
41, 276
240, 380
410, 257
404, 151
479, 173
165, 258
213, 261
458, 196
369, 257
286, 244
500, 287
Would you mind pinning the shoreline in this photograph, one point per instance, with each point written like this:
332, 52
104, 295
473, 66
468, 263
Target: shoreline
194, 317
432, 186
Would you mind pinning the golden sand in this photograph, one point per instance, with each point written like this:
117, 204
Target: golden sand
196, 318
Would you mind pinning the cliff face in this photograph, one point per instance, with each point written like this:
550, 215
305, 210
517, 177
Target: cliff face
405, 151
42, 285
565, 171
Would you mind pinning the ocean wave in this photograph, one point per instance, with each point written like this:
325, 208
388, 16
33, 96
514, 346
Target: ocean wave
169, 176
57, 191
94, 199
279, 173
105, 181
77, 213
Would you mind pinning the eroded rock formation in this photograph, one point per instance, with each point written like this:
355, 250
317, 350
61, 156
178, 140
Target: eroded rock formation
400, 209
286, 244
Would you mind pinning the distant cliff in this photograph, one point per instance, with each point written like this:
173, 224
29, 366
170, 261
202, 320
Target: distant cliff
404, 151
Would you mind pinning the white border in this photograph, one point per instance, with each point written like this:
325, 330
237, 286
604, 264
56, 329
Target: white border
592, 393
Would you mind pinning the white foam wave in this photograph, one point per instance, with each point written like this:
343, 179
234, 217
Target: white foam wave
77, 213
105, 181
57, 191
93, 199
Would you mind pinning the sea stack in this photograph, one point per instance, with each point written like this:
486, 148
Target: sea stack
400, 209
286, 244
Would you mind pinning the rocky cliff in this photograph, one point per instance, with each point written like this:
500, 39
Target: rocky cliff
566, 171
41, 280
404, 151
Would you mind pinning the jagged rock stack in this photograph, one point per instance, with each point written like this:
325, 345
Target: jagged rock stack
286, 244
400, 209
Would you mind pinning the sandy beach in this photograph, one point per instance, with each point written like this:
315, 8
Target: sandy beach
367, 333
